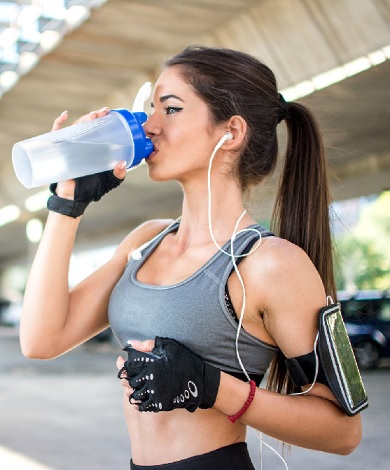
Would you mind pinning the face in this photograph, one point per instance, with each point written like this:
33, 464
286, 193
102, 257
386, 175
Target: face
181, 130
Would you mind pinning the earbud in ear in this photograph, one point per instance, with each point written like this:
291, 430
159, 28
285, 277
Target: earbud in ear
223, 139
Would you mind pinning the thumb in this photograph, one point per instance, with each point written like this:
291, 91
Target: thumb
142, 346
120, 170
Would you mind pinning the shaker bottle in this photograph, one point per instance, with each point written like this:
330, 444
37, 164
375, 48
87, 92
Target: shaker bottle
82, 149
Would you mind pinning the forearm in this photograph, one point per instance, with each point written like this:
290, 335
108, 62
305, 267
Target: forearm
307, 421
46, 299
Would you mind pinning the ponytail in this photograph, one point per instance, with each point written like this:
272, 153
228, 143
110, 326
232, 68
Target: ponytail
301, 211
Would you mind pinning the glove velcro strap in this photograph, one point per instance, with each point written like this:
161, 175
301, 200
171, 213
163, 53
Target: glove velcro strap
212, 377
66, 206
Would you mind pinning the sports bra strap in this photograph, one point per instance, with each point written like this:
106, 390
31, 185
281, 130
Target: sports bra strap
248, 248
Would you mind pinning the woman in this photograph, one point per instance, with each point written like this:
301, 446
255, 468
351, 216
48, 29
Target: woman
218, 310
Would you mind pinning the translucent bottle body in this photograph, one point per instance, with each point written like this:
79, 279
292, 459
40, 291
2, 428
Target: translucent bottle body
78, 150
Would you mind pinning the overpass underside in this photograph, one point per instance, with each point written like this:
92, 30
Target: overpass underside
307, 43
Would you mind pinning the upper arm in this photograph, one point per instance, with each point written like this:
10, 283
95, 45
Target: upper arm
292, 298
295, 294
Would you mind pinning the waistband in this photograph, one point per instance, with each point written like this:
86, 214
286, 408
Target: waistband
232, 457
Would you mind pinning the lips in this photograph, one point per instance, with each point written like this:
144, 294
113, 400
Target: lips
153, 154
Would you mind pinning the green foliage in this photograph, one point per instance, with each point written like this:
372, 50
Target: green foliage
362, 254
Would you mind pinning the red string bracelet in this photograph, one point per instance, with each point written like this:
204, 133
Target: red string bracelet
247, 404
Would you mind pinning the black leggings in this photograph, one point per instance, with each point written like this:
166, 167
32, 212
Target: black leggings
233, 457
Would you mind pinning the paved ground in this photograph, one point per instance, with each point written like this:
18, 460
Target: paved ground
66, 414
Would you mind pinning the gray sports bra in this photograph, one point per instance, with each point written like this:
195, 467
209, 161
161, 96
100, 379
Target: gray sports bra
193, 311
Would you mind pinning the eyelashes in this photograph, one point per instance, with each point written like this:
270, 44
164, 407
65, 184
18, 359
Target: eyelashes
167, 110
172, 109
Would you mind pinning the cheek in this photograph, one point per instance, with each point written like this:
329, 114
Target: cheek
185, 145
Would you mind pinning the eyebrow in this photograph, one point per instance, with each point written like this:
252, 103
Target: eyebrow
166, 97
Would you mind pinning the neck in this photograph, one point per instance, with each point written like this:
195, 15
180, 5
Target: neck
226, 208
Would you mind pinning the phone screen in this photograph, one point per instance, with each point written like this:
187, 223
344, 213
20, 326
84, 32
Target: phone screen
349, 372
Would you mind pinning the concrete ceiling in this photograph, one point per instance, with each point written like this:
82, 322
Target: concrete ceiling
122, 44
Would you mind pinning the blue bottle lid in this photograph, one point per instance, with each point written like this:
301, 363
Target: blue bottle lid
143, 146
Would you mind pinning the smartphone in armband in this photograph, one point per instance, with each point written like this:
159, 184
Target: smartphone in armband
338, 361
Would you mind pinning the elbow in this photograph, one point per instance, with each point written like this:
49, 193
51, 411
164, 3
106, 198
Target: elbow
352, 437
32, 353
31, 350
349, 448
27, 346
35, 354
36, 345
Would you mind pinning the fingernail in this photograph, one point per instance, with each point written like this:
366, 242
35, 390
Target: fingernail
64, 112
123, 165
105, 109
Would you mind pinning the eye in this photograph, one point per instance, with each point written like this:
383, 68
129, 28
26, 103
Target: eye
172, 109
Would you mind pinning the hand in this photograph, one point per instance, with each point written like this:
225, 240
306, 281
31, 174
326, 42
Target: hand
73, 196
167, 375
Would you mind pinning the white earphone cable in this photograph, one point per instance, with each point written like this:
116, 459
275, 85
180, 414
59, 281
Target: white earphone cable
233, 258
231, 254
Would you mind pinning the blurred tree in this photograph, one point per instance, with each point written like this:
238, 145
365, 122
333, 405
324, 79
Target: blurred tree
362, 254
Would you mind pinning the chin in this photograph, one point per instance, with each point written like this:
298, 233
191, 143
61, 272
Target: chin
158, 176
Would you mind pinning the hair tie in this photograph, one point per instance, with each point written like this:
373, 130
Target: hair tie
282, 110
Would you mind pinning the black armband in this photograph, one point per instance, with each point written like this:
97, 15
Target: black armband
302, 370
337, 367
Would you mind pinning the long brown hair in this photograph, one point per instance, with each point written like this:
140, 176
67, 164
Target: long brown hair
234, 83
301, 211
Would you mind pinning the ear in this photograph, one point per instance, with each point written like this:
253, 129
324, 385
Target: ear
238, 128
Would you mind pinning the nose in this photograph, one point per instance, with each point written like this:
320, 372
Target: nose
151, 126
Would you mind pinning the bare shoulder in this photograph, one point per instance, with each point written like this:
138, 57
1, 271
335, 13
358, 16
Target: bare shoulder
290, 294
141, 235
282, 258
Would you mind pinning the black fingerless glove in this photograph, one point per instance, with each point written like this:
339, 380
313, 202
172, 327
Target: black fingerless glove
88, 188
170, 376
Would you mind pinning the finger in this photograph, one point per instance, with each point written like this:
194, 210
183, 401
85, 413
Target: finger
150, 405
140, 396
120, 362
143, 346
122, 374
137, 381
100, 112
66, 189
58, 122
93, 115
120, 170
126, 384
134, 403
134, 400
